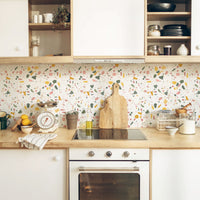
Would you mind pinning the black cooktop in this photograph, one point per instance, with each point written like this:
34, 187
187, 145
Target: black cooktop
109, 134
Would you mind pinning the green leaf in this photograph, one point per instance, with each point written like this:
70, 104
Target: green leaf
147, 112
155, 86
28, 105
28, 86
183, 87
39, 93
118, 81
83, 112
71, 92
54, 81
161, 77
56, 87
155, 105
97, 77
20, 111
91, 105
102, 93
154, 75
34, 77
181, 81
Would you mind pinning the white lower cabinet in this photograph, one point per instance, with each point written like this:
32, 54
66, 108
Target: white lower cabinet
29, 174
175, 174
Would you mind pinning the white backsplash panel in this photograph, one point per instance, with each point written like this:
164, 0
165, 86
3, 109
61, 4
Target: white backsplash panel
81, 87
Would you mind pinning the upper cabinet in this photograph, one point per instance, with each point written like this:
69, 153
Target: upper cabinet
108, 28
195, 40
14, 28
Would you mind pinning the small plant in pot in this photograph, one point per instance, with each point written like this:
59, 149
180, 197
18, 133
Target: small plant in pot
61, 16
72, 118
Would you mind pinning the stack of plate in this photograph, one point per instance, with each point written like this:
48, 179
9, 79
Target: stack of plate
175, 30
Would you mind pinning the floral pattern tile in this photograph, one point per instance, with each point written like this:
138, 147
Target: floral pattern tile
81, 87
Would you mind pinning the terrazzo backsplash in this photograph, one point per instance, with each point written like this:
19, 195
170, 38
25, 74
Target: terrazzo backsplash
84, 87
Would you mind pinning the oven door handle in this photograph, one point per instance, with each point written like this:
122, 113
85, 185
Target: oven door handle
93, 169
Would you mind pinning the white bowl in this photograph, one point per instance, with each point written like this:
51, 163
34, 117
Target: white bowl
171, 130
26, 129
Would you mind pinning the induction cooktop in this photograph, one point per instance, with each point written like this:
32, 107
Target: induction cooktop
109, 134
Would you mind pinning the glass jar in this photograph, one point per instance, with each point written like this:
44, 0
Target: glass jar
153, 50
154, 30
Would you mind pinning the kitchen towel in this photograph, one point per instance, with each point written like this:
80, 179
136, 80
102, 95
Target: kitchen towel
36, 141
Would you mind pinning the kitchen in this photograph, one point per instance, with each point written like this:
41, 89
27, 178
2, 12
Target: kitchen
158, 84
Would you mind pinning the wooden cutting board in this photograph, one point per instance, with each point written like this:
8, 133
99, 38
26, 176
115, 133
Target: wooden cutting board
115, 112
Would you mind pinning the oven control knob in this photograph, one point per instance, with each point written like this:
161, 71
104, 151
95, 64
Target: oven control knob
126, 154
108, 153
91, 153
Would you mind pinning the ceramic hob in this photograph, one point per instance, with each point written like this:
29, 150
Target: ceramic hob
109, 134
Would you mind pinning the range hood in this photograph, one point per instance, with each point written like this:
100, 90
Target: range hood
109, 60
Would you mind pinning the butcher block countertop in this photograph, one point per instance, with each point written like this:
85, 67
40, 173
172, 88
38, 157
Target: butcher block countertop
155, 140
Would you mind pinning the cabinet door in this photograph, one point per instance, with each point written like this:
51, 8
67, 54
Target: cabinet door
175, 174
195, 28
14, 28
108, 28
29, 174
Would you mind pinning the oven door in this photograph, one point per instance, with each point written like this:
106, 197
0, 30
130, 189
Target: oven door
111, 180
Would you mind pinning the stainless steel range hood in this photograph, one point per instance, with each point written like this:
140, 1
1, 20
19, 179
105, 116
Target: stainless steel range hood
109, 60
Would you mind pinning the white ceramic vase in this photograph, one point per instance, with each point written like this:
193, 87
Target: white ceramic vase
182, 50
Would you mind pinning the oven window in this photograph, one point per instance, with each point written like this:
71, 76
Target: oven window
109, 186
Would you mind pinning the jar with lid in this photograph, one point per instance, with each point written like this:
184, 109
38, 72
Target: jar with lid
154, 30
153, 50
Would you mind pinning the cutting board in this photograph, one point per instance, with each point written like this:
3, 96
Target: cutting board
115, 112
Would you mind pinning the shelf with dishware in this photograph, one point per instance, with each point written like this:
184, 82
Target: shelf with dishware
48, 36
168, 31
168, 16
48, 26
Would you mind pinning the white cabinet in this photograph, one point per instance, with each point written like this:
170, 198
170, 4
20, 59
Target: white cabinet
108, 28
14, 28
195, 28
29, 174
175, 174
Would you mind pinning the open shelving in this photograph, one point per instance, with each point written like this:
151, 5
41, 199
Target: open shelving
181, 15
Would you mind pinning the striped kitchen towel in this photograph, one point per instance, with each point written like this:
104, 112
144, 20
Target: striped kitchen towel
36, 141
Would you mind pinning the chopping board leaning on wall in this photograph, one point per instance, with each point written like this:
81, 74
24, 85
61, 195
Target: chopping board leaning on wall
115, 112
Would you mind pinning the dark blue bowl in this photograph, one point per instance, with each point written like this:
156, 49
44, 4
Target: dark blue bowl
161, 7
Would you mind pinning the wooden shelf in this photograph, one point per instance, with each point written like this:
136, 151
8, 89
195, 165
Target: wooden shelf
42, 2
37, 60
48, 26
168, 16
172, 59
168, 38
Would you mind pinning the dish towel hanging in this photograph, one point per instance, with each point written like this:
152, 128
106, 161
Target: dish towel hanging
36, 141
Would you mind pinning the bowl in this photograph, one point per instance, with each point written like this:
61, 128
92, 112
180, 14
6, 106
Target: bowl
171, 130
26, 129
180, 111
161, 7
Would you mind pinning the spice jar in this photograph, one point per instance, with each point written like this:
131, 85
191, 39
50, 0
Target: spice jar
153, 50
154, 30
167, 50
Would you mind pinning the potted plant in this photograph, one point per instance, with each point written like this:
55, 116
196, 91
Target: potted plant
61, 16
72, 118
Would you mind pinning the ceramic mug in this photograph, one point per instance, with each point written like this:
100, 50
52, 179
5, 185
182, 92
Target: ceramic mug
48, 17
4, 120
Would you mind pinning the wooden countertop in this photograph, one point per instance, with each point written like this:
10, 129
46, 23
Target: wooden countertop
155, 140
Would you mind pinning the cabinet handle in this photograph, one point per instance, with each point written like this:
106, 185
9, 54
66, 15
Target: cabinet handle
124, 169
56, 158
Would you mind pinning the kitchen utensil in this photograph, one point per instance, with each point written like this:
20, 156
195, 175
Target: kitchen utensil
171, 130
161, 7
26, 129
154, 30
182, 50
167, 49
106, 114
153, 50
18, 123
175, 26
4, 120
48, 17
115, 111
182, 110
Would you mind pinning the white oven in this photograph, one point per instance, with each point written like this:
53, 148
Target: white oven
109, 174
